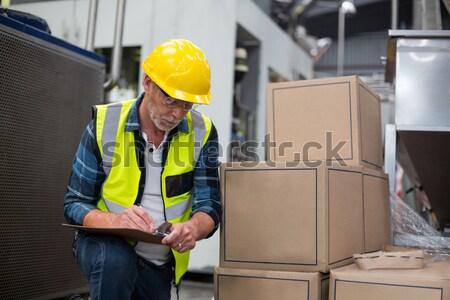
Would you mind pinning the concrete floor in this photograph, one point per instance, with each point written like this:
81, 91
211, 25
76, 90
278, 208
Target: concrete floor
191, 290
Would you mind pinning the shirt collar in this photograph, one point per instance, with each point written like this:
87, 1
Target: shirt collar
133, 124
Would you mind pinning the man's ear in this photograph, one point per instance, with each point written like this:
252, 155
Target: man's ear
146, 81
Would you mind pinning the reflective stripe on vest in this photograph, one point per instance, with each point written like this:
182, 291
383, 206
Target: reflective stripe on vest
199, 133
121, 167
109, 134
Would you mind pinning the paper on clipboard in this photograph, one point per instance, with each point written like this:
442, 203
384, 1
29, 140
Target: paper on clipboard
128, 233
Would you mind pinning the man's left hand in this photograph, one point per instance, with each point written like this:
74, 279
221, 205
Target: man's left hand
184, 236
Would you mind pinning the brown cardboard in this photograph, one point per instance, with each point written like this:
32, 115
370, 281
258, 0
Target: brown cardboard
413, 259
430, 283
233, 284
310, 120
290, 218
377, 221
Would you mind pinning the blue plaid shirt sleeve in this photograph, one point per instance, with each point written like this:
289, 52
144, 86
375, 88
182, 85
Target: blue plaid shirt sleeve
86, 178
206, 194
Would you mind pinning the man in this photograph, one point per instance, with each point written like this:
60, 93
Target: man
142, 162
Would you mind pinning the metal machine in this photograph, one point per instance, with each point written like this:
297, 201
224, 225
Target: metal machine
47, 87
419, 64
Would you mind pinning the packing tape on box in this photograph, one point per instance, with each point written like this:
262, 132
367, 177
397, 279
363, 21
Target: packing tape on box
404, 259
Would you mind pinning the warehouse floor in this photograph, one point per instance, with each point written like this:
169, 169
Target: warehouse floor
195, 290
190, 290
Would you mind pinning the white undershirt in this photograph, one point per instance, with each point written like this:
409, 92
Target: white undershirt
152, 202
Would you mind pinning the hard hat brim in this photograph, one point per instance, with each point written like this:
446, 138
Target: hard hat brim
180, 95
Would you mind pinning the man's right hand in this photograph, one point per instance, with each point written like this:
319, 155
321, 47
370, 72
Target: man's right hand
133, 217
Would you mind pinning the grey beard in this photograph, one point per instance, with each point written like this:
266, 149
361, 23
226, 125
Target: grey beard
158, 124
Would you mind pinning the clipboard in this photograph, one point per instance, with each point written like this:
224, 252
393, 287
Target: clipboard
127, 233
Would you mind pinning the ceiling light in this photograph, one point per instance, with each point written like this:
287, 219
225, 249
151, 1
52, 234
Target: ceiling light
348, 7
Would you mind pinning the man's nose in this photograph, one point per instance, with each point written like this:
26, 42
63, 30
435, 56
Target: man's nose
178, 112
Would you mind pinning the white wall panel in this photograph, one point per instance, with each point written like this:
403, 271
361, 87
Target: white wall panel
66, 19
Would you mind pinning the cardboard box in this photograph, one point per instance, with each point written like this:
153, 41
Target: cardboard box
377, 214
336, 119
296, 218
233, 284
429, 283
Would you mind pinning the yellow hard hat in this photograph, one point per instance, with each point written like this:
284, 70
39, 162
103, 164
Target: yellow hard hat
181, 70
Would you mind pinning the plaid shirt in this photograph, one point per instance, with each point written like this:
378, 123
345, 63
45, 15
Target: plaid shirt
87, 174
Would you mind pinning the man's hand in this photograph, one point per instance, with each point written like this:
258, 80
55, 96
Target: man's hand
133, 217
184, 236
137, 218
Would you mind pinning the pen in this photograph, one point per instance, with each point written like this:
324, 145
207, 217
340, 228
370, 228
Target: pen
164, 229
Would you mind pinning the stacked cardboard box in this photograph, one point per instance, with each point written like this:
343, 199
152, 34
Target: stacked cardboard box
430, 283
336, 119
269, 285
320, 198
300, 218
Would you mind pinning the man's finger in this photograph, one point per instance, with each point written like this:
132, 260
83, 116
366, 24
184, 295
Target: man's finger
142, 213
140, 218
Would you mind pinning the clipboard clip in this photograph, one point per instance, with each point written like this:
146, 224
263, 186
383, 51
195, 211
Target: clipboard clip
164, 229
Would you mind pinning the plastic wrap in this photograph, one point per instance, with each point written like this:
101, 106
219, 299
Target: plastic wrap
412, 231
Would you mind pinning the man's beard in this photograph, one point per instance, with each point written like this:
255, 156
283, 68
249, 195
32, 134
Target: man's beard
157, 120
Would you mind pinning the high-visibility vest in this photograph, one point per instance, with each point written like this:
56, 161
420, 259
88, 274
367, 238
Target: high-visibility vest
120, 163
